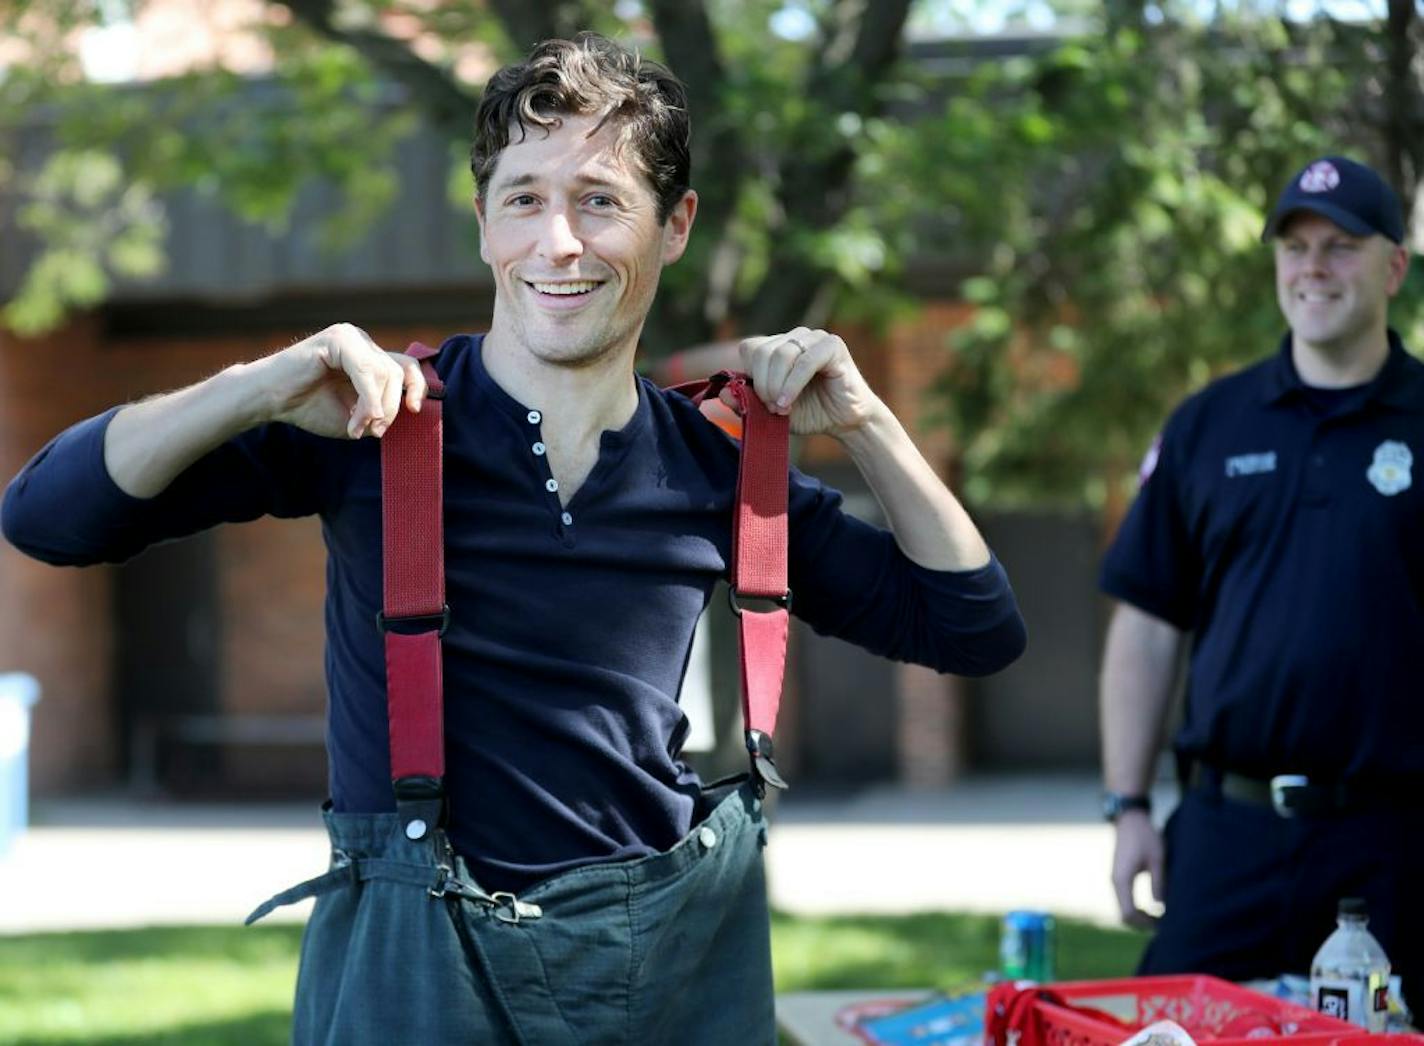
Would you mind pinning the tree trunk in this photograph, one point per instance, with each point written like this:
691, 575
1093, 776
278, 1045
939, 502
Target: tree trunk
1404, 151
862, 43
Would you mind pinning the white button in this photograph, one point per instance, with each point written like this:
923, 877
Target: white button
551, 485
707, 837
415, 830
535, 417
538, 448
568, 519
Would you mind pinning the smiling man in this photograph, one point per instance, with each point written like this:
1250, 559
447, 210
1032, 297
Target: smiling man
584, 887
1279, 525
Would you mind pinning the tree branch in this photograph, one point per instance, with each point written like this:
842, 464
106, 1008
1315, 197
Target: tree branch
1123, 14
437, 94
862, 41
1403, 151
527, 22
718, 166
524, 23
691, 50
846, 84
815, 179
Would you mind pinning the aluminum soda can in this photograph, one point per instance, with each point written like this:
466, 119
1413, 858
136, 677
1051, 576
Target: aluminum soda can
1026, 946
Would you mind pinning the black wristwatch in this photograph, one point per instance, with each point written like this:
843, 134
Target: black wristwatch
1114, 803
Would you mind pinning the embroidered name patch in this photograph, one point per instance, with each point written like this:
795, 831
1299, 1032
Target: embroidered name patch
1390, 473
1250, 464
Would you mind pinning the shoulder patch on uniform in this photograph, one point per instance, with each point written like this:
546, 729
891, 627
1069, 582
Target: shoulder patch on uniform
1149, 460
1390, 471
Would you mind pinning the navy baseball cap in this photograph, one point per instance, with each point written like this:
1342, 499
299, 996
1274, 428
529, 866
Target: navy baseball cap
1350, 194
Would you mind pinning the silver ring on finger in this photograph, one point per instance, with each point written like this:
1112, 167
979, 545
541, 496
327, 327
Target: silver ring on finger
797, 343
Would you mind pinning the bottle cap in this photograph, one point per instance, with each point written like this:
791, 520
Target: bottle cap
1353, 906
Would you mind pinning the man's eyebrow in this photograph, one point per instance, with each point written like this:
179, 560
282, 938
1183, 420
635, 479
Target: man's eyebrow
518, 181
607, 180
596, 179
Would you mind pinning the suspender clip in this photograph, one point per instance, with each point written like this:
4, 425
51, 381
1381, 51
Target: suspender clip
420, 804
763, 767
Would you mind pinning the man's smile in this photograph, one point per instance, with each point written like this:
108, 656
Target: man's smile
563, 294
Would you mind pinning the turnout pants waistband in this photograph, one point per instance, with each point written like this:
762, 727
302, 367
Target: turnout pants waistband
404, 945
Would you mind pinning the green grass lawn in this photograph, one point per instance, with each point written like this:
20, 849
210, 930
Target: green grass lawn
227, 986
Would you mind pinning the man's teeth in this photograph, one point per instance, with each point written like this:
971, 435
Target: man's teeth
579, 287
1315, 299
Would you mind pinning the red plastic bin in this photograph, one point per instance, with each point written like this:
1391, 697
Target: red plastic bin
1208, 1008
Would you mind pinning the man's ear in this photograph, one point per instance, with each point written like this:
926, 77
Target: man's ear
678, 227
480, 221
1398, 267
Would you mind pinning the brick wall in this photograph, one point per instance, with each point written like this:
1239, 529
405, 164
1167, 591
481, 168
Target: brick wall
933, 723
54, 622
931, 729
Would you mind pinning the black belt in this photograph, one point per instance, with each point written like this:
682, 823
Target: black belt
1294, 795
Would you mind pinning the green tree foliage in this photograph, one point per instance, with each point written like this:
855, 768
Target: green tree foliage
1098, 199
1124, 179
775, 147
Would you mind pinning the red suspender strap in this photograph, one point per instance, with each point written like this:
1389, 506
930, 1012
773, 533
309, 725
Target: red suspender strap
759, 544
414, 614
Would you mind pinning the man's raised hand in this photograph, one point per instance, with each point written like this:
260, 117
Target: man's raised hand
339, 382
809, 374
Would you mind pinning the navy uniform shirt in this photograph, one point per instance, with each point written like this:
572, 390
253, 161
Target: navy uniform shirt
571, 626
1284, 526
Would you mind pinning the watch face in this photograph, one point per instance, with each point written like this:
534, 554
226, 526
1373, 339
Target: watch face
1114, 804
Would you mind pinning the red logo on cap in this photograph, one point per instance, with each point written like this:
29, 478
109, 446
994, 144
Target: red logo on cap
1320, 177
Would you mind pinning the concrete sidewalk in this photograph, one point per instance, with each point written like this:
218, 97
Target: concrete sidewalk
988, 844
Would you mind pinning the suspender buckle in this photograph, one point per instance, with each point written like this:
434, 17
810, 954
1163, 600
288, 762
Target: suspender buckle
420, 805
783, 602
763, 767
414, 624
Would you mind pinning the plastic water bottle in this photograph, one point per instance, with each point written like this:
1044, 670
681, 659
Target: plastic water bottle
1349, 977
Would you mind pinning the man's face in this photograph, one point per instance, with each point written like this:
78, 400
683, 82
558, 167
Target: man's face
1333, 286
569, 225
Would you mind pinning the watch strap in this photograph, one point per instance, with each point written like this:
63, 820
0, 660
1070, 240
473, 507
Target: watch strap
1116, 803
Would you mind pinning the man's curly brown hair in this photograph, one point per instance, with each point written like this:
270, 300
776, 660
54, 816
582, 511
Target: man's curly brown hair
590, 75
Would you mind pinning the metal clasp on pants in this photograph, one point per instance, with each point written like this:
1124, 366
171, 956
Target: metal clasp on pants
1282, 785
506, 906
510, 909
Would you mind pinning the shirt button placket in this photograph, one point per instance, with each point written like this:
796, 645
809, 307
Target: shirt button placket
1315, 485
534, 417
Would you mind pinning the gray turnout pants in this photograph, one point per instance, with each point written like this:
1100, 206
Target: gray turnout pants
404, 947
